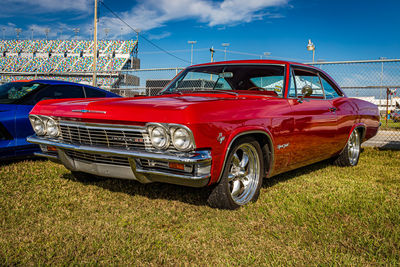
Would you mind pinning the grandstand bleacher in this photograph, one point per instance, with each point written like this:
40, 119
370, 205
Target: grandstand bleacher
70, 60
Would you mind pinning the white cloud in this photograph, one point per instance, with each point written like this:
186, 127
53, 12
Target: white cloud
44, 6
150, 14
158, 36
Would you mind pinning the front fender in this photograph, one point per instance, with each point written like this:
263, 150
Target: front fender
233, 136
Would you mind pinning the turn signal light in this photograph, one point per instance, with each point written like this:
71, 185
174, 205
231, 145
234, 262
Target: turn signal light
51, 148
177, 166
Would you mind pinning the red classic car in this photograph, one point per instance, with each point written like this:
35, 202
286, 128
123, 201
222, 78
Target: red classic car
224, 124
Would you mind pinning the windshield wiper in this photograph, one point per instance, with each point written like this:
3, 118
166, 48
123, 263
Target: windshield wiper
217, 91
170, 93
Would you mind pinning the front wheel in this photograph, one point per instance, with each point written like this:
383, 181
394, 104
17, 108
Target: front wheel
242, 176
351, 153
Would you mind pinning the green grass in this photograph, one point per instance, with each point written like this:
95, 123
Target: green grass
317, 215
390, 125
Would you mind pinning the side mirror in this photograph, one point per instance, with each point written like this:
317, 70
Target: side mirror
225, 75
305, 91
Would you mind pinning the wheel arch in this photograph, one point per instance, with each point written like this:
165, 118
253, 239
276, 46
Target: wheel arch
359, 127
264, 138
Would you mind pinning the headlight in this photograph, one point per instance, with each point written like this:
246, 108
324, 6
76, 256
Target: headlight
181, 139
38, 125
52, 128
159, 137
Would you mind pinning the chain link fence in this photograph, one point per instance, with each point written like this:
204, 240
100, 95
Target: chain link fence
376, 81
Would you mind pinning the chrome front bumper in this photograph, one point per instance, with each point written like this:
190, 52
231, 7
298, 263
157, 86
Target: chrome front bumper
198, 162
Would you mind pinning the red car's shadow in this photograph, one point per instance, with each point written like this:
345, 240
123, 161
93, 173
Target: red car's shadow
193, 196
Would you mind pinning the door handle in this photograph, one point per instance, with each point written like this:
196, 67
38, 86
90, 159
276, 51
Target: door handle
332, 110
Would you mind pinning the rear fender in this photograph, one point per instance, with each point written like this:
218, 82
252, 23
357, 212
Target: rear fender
356, 126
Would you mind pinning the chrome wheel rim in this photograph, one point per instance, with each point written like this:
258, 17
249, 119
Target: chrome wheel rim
354, 147
244, 174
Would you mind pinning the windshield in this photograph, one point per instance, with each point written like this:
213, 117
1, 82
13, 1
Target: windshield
11, 92
266, 79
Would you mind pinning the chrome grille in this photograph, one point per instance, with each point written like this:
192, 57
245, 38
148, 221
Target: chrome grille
103, 136
97, 158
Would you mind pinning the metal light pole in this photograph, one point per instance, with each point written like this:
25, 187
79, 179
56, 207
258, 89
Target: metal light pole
191, 51
18, 31
106, 31
4, 30
120, 34
46, 31
32, 33
266, 54
76, 31
95, 45
311, 47
225, 45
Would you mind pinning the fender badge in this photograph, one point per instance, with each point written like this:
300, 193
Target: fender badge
89, 111
283, 146
220, 138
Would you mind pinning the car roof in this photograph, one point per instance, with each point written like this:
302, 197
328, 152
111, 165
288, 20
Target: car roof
58, 82
255, 61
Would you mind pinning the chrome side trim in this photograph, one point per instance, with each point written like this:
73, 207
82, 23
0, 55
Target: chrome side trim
272, 151
195, 157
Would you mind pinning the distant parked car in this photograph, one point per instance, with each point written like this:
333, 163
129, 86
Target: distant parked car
395, 115
16, 101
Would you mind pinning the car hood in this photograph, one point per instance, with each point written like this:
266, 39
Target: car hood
7, 111
170, 108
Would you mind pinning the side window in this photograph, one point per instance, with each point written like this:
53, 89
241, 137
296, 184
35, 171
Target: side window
304, 79
90, 92
330, 91
292, 86
58, 92
269, 83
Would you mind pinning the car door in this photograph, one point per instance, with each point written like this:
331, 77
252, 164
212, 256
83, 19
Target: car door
7, 130
315, 120
23, 129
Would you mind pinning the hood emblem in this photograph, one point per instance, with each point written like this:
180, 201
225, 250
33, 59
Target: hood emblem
89, 111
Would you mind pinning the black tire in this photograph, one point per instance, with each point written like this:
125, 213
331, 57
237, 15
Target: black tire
239, 184
351, 153
86, 177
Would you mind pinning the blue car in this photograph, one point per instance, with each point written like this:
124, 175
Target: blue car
16, 101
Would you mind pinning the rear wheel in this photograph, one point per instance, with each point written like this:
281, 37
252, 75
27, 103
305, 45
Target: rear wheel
242, 176
351, 153
86, 177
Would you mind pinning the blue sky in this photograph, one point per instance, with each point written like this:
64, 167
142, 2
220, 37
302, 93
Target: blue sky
340, 30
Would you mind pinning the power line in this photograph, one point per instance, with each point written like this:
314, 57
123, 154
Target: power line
129, 26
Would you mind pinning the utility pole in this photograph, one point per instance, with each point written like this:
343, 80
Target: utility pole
95, 45
191, 51
212, 53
